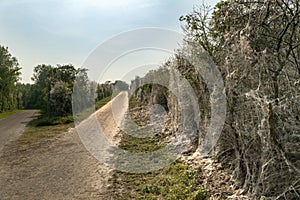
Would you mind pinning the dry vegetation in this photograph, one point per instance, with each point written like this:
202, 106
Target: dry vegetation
256, 48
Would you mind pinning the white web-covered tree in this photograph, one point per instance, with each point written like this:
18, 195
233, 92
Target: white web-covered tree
256, 45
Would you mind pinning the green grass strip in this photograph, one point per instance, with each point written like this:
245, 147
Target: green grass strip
10, 113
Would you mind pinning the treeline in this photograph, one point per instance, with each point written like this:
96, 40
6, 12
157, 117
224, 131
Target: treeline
52, 89
9, 77
108, 88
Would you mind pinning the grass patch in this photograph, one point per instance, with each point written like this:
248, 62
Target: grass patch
44, 127
87, 112
36, 134
10, 113
133, 144
50, 121
102, 102
176, 181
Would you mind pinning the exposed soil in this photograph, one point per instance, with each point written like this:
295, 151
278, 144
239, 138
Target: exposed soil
59, 168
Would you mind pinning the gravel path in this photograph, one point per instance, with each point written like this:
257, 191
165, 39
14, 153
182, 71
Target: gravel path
55, 169
58, 168
12, 127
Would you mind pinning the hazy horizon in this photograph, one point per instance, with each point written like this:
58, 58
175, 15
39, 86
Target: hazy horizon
66, 32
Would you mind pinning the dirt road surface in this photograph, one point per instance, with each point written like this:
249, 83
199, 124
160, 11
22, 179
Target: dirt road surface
59, 168
12, 127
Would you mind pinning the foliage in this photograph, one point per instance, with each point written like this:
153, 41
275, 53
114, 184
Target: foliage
120, 86
60, 99
108, 88
43, 120
43, 127
102, 102
104, 90
176, 181
151, 89
256, 46
52, 91
30, 96
9, 77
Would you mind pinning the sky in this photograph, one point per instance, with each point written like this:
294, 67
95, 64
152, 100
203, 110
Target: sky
70, 31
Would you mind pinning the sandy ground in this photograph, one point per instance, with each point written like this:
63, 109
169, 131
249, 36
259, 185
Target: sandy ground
59, 168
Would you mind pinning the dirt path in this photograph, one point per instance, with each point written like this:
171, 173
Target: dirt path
12, 127
58, 168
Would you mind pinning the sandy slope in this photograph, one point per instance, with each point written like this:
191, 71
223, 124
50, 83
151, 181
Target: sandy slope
111, 116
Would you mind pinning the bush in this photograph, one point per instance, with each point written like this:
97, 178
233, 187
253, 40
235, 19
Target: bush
51, 121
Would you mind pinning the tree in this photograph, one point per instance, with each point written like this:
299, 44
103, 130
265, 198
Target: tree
256, 46
60, 99
29, 96
81, 96
54, 86
42, 76
9, 76
104, 90
120, 86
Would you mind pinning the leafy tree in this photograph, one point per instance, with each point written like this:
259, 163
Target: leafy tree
9, 76
60, 99
82, 98
42, 78
29, 96
104, 90
54, 86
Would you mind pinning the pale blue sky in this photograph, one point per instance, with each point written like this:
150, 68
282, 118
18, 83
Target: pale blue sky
67, 31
